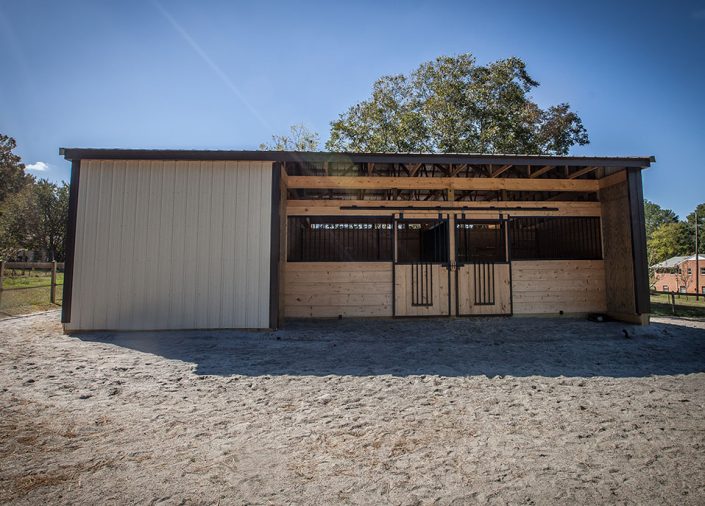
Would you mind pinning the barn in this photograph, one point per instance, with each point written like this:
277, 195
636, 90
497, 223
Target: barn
184, 239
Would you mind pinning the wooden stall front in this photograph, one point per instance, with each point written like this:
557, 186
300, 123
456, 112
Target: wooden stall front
417, 235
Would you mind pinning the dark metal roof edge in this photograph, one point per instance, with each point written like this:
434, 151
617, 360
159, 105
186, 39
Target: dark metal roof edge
318, 156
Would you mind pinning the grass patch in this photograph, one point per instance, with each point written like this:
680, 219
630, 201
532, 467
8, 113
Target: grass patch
685, 306
34, 292
36, 278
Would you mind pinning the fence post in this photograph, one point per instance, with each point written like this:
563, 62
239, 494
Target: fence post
52, 296
673, 303
2, 275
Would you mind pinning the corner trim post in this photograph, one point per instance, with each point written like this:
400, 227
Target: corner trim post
70, 245
638, 238
275, 245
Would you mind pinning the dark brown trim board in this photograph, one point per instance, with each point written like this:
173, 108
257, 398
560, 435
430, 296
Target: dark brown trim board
638, 238
275, 247
70, 245
320, 156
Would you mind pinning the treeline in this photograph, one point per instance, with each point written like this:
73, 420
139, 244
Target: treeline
33, 211
668, 236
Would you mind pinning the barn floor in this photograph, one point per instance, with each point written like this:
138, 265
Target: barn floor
387, 411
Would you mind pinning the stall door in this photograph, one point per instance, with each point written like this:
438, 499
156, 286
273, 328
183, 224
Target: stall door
482, 272
422, 277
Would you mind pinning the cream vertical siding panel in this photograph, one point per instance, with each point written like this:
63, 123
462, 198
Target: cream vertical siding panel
241, 215
165, 256
177, 267
265, 242
205, 189
127, 244
215, 250
191, 244
171, 244
228, 246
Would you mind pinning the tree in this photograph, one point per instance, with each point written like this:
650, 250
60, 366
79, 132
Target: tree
35, 219
299, 139
12, 175
669, 240
452, 104
17, 223
51, 213
656, 216
690, 219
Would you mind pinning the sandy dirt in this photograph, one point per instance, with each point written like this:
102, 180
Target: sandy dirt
490, 410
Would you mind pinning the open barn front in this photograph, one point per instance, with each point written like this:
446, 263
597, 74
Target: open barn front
468, 235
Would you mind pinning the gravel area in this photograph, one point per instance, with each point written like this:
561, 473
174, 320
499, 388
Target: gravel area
434, 411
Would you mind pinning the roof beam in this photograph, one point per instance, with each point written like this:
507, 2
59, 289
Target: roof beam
541, 171
501, 170
581, 172
442, 183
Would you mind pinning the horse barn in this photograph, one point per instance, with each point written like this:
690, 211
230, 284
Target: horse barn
246, 239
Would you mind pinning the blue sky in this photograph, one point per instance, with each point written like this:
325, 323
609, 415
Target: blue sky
227, 75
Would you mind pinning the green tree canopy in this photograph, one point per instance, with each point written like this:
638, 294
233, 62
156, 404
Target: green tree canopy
12, 174
35, 219
700, 212
669, 240
655, 216
452, 104
300, 138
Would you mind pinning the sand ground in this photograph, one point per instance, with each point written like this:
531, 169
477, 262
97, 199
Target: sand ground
490, 410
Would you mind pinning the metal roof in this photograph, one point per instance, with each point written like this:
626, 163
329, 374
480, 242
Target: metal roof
676, 261
321, 156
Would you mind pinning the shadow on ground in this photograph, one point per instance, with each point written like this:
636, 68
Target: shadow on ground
460, 347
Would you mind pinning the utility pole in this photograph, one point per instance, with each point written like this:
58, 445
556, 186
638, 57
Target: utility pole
697, 259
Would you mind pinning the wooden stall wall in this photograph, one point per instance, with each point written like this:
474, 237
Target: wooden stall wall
617, 249
551, 286
333, 289
172, 245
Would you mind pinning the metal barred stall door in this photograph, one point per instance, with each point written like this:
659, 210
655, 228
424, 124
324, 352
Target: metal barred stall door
421, 267
482, 270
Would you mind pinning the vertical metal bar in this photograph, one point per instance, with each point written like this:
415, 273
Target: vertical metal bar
52, 293
430, 286
2, 277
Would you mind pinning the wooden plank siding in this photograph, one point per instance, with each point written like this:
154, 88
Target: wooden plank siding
551, 286
617, 246
172, 245
333, 289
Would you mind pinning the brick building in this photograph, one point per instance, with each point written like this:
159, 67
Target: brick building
679, 274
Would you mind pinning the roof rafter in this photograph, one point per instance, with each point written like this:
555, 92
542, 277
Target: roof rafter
541, 171
581, 172
501, 170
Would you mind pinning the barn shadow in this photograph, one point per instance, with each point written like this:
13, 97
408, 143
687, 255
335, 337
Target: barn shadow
460, 347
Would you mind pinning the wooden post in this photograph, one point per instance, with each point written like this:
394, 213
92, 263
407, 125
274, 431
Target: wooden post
2, 274
52, 296
673, 302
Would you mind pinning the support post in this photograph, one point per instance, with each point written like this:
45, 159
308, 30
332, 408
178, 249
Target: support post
67, 297
697, 260
52, 293
638, 239
2, 276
